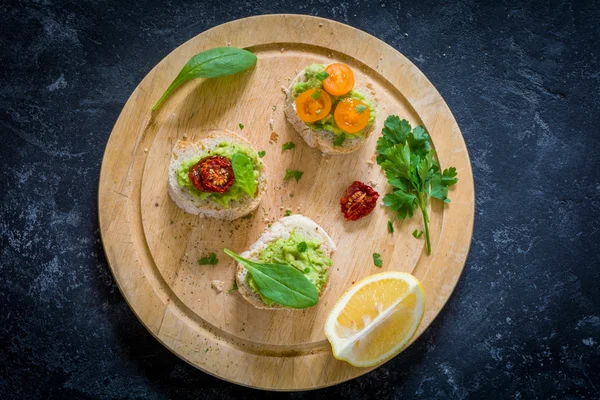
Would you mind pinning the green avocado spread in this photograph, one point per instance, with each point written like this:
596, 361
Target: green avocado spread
227, 150
312, 262
328, 123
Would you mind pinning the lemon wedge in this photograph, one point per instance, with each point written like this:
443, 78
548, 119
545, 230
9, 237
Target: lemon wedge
375, 318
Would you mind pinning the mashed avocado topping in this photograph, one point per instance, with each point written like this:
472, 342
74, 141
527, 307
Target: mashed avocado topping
328, 123
312, 261
224, 149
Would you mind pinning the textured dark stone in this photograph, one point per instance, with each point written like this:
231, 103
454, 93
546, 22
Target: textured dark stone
523, 81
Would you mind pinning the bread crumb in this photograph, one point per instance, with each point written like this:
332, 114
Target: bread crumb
217, 285
371, 160
372, 183
271, 123
274, 136
284, 89
146, 150
282, 49
320, 24
185, 135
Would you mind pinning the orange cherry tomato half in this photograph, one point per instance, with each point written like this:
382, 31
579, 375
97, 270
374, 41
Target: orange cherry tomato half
313, 105
351, 115
340, 80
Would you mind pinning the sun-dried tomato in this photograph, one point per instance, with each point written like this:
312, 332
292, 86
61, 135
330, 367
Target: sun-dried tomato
358, 200
212, 174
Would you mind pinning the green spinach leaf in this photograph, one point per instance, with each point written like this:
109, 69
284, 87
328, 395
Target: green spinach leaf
220, 61
280, 283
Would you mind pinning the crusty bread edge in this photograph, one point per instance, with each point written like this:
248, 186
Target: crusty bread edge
281, 228
322, 138
184, 150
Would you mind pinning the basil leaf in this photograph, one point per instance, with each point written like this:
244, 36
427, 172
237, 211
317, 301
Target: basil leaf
262, 153
280, 283
220, 61
244, 173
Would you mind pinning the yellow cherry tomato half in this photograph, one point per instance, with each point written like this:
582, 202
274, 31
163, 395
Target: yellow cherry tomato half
340, 80
313, 105
351, 115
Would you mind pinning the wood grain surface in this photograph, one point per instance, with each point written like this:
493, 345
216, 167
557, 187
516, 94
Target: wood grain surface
152, 246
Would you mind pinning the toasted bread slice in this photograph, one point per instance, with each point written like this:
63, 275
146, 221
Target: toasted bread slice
193, 205
281, 229
322, 138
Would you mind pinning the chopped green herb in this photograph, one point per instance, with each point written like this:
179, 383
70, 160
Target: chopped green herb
322, 76
316, 95
306, 270
247, 216
360, 108
211, 259
417, 234
287, 213
302, 246
377, 260
290, 173
406, 157
172, 222
262, 153
287, 146
340, 139
390, 226
269, 225
241, 125
234, 287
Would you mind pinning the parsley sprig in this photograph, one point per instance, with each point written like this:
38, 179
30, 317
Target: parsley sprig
406, 157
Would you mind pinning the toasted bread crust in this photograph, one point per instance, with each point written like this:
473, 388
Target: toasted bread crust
190, 204
281, 229
322, 138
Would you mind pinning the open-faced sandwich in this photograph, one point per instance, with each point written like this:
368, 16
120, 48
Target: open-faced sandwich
296, 243
220, 176
329, 110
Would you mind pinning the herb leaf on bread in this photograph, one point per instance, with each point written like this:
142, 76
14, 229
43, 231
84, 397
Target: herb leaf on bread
280, 283
244, 173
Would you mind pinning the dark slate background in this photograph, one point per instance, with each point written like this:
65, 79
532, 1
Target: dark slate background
523, 82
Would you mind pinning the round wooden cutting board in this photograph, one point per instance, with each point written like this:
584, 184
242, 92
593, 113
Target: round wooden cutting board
153, 247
